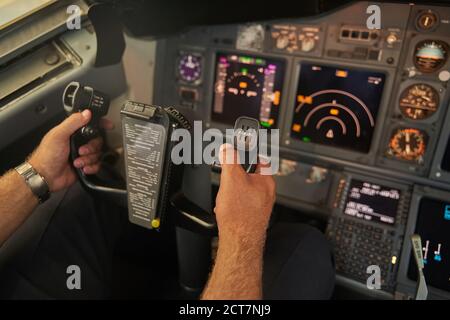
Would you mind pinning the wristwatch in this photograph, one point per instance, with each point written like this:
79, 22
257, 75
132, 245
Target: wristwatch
35, 181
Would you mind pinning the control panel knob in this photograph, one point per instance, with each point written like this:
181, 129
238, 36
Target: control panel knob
308, 44
282, 42
391, 38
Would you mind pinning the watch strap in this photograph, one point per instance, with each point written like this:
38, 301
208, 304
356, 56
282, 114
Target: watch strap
35, 181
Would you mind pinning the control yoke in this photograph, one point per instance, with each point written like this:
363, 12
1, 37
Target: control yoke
153, 182
152, 179
77, 98
152, 187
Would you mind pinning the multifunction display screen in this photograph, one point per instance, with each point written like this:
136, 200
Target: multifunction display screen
247, 86
372, 202
337, 106
433, 226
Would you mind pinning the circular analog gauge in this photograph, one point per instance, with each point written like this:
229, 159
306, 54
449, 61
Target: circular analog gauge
427, 21
419, 101
430, 55
190, 68
408, 144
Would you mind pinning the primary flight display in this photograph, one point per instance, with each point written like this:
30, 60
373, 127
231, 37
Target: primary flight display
247, 86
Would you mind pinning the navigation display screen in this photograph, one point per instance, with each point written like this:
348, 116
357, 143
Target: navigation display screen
372, 202
337, 106
445, 165
247, 86
433, 226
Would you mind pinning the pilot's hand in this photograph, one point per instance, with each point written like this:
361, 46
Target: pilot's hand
51, 158
244, 202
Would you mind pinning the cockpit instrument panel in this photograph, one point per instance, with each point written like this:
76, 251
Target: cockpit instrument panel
247, 86
337, 106
363, 114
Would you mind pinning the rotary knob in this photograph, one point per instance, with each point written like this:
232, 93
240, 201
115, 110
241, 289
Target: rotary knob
391, 38
308, 44
282, 42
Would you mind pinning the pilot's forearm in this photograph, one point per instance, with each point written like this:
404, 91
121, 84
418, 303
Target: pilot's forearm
237, 273
16, 203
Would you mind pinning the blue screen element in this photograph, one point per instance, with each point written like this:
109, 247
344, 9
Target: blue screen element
433, 226
447, 212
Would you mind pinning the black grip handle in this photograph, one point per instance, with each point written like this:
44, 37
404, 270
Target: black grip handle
76, 141
246, 143
92, 184
77, 98
192, 217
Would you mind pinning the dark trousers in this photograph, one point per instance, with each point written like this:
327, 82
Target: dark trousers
74, 229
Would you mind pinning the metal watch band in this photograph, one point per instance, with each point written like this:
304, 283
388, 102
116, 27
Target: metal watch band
35, 181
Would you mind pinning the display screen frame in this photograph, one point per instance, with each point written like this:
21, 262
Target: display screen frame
354, 99
437, 172
287, 65
446, 156
435, 231
342, 195
348, 199
405, 285
334, 152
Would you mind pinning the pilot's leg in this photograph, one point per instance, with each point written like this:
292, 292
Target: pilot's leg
71, 229
298, 263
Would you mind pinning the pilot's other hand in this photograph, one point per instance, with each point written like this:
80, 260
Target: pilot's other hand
51, 158
244, 202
